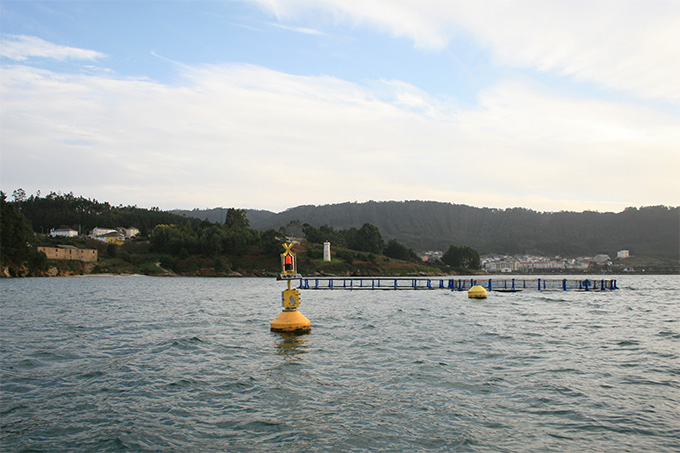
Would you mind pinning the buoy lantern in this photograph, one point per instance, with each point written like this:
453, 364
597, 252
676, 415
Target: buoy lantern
290, 319
477, 292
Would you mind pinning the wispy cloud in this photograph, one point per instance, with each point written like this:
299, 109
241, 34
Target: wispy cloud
625, 45
304, 30
248, 136
22, 47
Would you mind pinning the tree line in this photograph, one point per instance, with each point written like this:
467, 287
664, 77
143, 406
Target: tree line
194, 237
365, 239
16, 238
426, 225
179, 237
57, 210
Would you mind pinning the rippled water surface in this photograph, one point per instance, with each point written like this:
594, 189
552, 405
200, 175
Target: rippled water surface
149, 364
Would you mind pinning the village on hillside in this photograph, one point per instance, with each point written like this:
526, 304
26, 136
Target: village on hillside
524, 264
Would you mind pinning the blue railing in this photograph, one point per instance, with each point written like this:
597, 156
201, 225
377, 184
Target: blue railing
457, 284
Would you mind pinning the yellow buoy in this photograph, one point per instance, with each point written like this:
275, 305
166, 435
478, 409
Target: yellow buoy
477, 292
291, 321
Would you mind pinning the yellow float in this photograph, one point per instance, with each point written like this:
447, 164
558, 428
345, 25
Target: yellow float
477, 292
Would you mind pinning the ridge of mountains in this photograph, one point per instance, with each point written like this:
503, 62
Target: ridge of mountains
428, 225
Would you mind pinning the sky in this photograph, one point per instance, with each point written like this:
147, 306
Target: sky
562, 105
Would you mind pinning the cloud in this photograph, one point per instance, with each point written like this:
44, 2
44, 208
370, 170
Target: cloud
247, 136
626, 45
22, 47
303, 30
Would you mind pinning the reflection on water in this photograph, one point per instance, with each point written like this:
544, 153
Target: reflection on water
291, 345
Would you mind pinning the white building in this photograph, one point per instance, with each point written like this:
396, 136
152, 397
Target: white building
326, 251
130, 232
502, 265
622, 254
63, 232
602, 258
101, 231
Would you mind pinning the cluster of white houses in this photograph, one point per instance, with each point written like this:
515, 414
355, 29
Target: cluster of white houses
112, 236
526, 263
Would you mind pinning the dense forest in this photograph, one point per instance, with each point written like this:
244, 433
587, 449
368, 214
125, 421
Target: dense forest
423, 225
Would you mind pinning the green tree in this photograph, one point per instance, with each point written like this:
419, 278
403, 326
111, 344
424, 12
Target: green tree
19, 195
37, 262
211, 239
312, 234
236, 219
294, 229
238, 236
368, 239
464, 257
394, 249
16, 236
270, 241
112, 250
323, 234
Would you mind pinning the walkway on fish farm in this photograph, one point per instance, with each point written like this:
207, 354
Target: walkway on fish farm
457, 284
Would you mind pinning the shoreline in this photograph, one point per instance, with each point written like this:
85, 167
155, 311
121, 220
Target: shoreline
505, 276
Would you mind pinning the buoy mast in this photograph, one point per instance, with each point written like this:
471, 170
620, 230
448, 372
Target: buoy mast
290, 319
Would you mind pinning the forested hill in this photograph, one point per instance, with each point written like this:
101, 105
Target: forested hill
423, 225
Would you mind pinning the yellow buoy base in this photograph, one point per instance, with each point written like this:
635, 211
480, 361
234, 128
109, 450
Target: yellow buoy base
477, 292
291, 321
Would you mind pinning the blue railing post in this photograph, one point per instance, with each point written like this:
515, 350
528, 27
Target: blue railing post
539, 284
489, 284
513, 284
587, 283
564, 284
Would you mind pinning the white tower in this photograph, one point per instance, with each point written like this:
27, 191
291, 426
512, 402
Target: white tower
326, 251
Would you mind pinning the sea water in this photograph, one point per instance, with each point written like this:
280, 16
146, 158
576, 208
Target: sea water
189, 364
